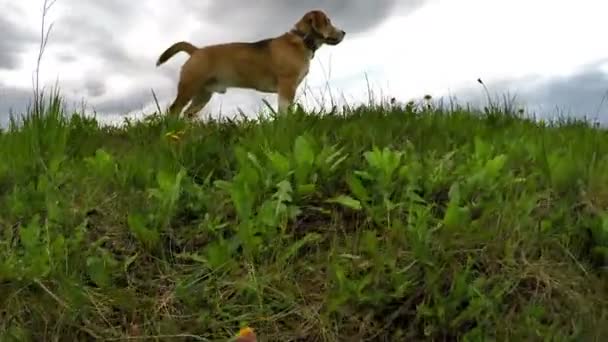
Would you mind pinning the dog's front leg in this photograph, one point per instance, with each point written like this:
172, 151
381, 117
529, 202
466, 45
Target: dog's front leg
287, 93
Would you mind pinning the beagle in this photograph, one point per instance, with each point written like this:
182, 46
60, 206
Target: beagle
274, 65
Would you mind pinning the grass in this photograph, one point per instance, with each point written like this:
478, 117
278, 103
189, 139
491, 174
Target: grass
380, 223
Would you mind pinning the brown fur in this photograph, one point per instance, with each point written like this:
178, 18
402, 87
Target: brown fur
175, 48
274, 65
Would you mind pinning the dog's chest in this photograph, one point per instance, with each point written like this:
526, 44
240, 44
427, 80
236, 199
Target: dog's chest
302, 74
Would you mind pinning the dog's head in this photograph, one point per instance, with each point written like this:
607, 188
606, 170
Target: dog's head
316, 24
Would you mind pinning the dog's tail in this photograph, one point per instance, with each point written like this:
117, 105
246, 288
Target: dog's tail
173, 49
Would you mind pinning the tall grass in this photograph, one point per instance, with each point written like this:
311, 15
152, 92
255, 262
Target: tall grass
377, 223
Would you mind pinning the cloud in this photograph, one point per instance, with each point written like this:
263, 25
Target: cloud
13, 42
103, 52
95, 88
96, 34
12, 101
268, 17
132, 101
114, 56
580, 94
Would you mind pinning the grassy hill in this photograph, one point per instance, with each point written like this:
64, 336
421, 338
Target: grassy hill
400, 224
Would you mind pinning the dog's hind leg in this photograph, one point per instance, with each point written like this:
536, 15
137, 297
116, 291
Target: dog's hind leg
198, 102
185, 92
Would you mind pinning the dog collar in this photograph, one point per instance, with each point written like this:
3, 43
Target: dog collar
308, 40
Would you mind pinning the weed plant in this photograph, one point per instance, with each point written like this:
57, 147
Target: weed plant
379, 223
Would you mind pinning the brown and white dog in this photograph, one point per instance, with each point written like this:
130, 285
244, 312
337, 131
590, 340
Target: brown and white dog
274, 65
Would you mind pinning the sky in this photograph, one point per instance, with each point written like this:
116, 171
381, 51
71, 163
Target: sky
550, 54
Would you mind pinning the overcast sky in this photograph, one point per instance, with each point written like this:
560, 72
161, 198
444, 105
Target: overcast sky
551, 54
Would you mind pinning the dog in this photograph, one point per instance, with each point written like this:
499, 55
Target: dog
273, 65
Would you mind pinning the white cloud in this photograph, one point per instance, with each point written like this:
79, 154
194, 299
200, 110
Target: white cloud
439, 48
450, 43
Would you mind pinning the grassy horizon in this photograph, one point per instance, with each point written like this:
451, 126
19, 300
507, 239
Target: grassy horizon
377, 223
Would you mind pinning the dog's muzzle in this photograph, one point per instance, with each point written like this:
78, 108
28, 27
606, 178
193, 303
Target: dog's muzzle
334, 40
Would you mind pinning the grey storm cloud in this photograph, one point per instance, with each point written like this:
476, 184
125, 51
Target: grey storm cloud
16, 100
133, 100
270, 17
582, 94
90, 27
95, 87
13, 42
13, 101
94, 34
136, 100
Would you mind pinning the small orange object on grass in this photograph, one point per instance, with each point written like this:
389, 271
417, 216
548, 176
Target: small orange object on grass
246, 334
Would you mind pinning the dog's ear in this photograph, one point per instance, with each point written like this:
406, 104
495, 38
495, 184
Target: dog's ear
317, 21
